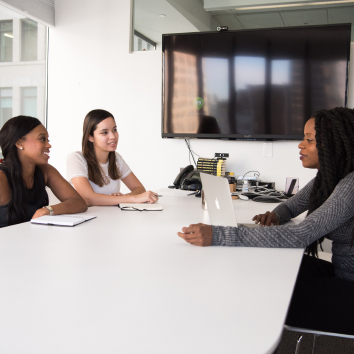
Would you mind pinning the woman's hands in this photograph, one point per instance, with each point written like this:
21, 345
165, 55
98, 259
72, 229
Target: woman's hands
40, 212
146, 197
197, 234
267, 219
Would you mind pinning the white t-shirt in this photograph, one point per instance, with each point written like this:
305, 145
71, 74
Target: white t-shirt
76, 166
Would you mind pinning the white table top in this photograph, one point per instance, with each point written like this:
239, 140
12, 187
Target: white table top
126, 283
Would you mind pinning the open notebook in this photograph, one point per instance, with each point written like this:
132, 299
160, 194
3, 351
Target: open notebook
62, 220
140, 206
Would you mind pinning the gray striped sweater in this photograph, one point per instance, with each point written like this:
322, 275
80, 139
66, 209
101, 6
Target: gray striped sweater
334, 218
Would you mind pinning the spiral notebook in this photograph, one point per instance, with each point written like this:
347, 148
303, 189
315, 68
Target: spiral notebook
62, 220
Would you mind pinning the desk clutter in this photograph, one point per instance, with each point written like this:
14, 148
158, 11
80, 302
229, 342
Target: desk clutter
241, 187
215, 166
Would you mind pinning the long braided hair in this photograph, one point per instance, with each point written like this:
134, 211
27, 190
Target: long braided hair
335, 146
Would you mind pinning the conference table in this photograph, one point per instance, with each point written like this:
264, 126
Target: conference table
124, 282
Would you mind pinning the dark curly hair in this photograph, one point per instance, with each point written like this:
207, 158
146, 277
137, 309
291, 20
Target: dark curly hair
335, 146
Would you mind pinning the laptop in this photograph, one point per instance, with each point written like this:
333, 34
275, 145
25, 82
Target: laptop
218, 197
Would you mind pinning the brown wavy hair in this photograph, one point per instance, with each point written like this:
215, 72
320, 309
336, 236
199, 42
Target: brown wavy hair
95, 173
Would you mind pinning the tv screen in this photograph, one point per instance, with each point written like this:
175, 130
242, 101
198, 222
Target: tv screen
252, 84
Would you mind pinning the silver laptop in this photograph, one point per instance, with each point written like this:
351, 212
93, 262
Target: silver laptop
218, 197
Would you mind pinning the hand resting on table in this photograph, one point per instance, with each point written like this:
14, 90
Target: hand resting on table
197, 234
266, 219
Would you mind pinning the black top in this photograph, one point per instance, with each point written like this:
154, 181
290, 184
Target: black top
36, 197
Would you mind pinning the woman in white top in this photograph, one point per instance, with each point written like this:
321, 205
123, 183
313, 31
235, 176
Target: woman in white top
96, 172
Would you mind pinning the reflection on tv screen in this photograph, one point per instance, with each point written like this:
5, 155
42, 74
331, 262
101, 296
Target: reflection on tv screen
252, 84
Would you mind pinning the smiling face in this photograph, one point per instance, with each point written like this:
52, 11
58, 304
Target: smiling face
105, 137
308, 149
34, 146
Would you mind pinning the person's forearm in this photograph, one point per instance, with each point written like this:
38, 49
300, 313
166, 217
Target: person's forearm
106, 199
136, 191
285, 236
70, 206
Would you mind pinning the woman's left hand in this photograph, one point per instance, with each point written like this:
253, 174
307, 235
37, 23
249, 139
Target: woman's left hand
197, 234
40, 212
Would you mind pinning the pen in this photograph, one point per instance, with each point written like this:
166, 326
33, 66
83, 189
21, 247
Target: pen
159, 196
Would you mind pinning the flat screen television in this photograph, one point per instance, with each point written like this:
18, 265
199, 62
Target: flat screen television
252, 84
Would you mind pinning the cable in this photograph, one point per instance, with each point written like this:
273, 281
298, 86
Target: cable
256, 173
191, 153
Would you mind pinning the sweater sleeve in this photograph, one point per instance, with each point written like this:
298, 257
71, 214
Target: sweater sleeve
294, 206
336, 210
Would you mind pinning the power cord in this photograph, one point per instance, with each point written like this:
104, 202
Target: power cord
191, 152
256, 173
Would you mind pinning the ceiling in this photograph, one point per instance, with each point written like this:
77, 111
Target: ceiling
206, 15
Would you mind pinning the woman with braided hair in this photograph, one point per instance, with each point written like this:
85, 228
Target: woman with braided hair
322, 287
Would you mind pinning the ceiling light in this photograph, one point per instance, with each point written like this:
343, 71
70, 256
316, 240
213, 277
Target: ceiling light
8, 35
294, 5
162, 15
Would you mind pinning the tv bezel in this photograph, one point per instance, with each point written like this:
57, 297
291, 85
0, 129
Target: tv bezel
251, 137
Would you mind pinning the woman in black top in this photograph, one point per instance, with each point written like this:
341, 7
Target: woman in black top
25, 172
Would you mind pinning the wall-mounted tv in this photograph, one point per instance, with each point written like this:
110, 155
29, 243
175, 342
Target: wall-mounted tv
252, 84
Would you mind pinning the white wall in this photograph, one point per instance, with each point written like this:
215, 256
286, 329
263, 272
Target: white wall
90, 67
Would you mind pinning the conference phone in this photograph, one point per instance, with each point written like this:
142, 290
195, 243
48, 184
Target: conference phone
188, 179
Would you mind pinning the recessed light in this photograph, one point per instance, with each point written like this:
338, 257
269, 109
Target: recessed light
162, 15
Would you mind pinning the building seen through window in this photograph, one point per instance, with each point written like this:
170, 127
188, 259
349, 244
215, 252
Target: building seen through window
29, 40
23, 49
6, 37
5, 104
29, 101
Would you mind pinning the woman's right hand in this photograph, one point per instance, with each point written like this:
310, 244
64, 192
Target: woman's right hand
146, 197
267, 219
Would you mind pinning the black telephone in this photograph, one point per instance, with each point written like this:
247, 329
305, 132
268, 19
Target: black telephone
188, 179
181, 176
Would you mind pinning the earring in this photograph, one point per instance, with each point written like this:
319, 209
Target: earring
21, 148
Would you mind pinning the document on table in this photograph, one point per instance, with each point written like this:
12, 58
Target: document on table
140, 206
62, 220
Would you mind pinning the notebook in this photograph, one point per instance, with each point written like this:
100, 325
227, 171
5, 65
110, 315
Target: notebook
140, 206
62, 220
218, 197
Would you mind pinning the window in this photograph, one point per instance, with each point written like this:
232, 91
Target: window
29, 101
5, 104
23, 65
142, 43
29, 34
6, 36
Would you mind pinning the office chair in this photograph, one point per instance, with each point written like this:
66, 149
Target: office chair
315, 335
322, 306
